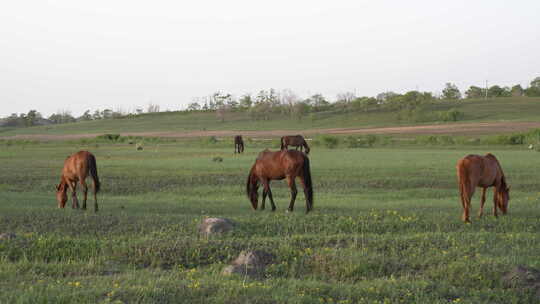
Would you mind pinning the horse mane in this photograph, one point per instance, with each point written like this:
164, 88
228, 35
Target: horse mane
503, 182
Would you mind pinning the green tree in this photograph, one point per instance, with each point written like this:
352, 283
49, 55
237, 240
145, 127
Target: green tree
451, 91
245, 101
194, 106
475, 92
534, 89
517, 91
497, 91
86, 116
32, 117
300, 109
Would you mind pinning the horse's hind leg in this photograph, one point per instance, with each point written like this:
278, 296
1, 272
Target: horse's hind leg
294, 192
85, 193
465, 195
482, 201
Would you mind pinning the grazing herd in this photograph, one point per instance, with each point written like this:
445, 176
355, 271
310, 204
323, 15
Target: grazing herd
472, 171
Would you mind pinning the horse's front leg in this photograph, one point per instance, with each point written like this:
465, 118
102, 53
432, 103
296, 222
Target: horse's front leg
85, 193
495, 201
271, 198
74, 200
264, 198
294, 192
482, 201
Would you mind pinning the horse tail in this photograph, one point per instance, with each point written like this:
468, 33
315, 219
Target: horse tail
92, 167
282, 141
248, 184
464, 188
308, 184
251, 189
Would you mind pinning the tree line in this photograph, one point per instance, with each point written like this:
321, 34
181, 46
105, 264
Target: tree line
267, 103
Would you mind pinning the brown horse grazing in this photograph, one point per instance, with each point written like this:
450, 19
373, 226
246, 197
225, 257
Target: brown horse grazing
295, 141
278, 165
76, 168
238, 144
482, 171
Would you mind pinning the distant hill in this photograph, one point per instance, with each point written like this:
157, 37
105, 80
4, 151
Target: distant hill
512, 109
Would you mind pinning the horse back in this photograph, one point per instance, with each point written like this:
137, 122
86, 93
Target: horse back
483, 171
278, 164
76, 165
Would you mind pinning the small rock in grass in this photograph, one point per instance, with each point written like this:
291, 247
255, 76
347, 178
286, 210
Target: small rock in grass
524, 278
249, 263
7, 236
213, 225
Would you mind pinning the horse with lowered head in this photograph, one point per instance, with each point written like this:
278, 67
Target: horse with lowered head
278, 165
482, 171
297, 141
238, 144
76, 168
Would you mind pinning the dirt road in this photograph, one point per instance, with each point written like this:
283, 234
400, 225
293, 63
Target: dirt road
449, 129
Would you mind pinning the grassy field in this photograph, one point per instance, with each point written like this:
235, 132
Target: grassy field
497, 109
386, 229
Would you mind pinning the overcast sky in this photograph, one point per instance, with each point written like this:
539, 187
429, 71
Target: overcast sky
123, 54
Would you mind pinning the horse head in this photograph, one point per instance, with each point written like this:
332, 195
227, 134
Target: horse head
252, 187
503, 196
61, 195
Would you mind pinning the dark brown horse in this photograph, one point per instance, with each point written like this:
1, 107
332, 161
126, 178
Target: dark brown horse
278, 165
482, 171
238, 144
295, 141
76, 168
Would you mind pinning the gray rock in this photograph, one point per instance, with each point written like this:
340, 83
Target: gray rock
213, 225
7, 236
521, 277
249, 263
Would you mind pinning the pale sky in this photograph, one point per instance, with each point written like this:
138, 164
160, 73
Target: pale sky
122, 54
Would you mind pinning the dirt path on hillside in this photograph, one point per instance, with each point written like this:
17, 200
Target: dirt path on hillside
449, 129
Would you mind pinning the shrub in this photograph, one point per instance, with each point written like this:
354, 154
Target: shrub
451, 115
212, 140
330, 142
109, 137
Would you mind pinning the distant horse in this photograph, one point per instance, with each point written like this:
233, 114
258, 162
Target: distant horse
482, 171
238, 144
295, 141
76, 168
278, 165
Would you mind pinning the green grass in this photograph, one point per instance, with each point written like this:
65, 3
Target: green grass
386, 229
497, 109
